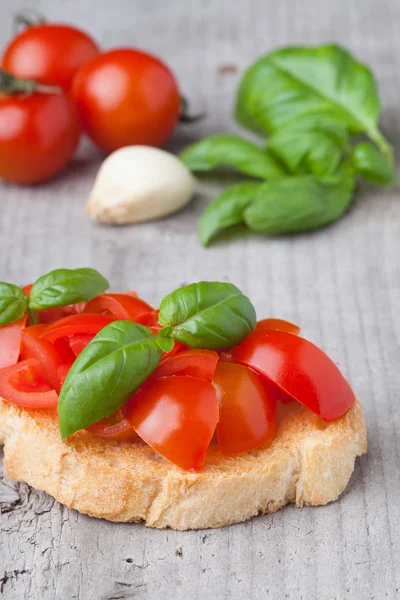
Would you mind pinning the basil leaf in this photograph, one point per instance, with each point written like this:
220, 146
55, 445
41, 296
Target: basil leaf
299, 203
164, 339
372, 165
66, 286
111, 367
231, 151
317, 150
322, 83
227, 209
208, 315
13, 303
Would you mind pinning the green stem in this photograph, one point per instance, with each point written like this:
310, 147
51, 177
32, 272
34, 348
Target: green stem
185, 117
27, 19
33, 317
10, 85
382, 143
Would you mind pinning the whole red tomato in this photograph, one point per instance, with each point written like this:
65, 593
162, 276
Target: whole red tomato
126, 97
49, 53
38, 135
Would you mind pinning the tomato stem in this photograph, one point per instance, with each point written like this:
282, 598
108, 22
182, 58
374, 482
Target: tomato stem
185, 117
28, 18
10, 85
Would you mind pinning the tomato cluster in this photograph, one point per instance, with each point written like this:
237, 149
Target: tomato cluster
62, 84
193, 397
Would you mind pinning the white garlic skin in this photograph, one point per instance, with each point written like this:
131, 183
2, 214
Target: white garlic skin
139, 183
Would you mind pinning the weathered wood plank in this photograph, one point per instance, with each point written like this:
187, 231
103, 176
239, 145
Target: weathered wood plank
341, 284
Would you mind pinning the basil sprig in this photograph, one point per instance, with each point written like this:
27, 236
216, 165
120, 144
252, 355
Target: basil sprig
208, 315
66, 286
105, 374
309, 101
13, 303
324, 82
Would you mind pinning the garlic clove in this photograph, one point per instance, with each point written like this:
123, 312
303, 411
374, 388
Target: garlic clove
139, 183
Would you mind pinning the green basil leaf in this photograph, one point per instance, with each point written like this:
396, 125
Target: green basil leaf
371, 164
227, 209
13, 303
317, 150
165, 340
208, 315
299, 203
105, 374
322, 82
66, 286
231, 151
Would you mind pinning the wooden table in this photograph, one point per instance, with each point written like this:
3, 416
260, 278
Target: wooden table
341, 284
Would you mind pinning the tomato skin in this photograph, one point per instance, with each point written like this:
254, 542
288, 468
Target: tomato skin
177, 417
49, 356
299, 369
10, 342
49, 53
62, 372
76, 324
22, 384
278, 324
121, 306
38, 136
193, 362
115, 427
79, 341
126, 97
247, 409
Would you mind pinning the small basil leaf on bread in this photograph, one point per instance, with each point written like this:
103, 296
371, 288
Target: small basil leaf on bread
208, 314
106, 373
66, 286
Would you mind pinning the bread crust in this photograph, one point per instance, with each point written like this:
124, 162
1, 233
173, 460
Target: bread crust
308, 463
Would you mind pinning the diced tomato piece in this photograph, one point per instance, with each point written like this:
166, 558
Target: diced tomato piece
194, 362
226, 355
49, 355
150, 319
76, 324
62, 372
115, 427
277, 324
10, 342
121, 306
177, 417
247, 409
23, 384
299, 369
132, 293
27, 289
79, 341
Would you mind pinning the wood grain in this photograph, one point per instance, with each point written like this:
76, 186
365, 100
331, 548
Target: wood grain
341, 284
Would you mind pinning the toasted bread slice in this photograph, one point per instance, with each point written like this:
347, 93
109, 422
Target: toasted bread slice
309, 462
